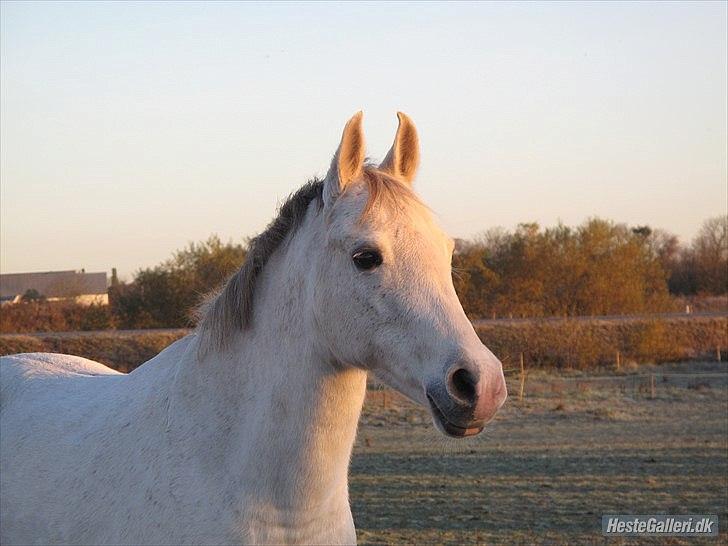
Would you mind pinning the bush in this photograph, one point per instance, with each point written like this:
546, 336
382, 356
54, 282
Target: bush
122, 351
583, 344
598, 268
45, 316
654, 341
164, 296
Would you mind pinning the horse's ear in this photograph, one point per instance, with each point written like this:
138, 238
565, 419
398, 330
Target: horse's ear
348, 161
404, 156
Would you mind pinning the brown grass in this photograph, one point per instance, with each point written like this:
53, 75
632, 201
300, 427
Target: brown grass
584, 344
120, 350
567, 344
45, 316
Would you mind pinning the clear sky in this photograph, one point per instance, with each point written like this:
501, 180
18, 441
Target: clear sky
128, 130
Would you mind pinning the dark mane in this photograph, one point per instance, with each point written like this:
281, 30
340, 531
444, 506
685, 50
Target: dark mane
230, 309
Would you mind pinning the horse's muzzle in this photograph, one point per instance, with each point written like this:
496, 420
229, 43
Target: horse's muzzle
467, 399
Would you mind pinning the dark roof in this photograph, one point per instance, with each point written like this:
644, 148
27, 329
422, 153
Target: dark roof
53, 284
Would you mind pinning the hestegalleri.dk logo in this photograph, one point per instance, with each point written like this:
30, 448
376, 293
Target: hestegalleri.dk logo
660, 524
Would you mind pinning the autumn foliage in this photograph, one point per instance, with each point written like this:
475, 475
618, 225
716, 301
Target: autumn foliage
599, 268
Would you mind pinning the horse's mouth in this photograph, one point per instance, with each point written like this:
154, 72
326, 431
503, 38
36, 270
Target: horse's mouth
455, 431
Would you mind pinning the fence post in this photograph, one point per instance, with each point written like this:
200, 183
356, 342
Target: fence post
717, 352
523, 380
618, 360
652, 386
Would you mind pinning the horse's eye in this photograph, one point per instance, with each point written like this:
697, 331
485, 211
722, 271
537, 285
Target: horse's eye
367, 259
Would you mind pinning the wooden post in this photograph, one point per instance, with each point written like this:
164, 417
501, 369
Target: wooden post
717, 353
618, 360
652, 386
523, 380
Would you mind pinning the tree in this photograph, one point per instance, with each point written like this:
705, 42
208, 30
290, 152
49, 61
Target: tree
472, 278
702, 268
597, 268
710, 255
32, 295
164, 296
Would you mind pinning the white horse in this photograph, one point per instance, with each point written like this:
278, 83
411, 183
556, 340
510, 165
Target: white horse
242, 432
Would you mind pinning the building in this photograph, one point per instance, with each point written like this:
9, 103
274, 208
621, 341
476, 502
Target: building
77, 286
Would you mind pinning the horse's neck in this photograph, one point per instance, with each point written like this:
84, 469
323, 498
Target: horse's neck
274, 418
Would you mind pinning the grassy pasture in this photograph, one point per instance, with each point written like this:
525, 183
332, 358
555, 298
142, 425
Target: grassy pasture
548, 467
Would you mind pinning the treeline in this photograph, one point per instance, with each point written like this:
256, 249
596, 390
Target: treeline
702, 267
164, 296
157, 297
597, 268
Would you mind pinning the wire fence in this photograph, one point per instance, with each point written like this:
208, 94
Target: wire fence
647, 384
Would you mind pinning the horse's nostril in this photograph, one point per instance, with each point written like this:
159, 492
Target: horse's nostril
463, 385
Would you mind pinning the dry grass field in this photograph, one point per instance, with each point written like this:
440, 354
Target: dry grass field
549, 466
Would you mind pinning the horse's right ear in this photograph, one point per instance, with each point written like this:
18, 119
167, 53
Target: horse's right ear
348, 161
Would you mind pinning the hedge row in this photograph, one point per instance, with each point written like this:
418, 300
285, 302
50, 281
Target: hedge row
583, 344
579, 344
121, 350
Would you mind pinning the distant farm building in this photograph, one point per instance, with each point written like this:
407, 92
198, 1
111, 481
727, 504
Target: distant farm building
77, 286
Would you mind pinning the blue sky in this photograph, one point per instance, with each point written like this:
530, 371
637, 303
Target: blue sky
129, 129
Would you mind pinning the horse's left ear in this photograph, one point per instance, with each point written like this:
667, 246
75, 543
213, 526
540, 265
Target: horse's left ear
404, 156
348, 161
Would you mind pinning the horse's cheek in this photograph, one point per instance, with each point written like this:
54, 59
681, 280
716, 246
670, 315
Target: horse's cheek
329, 315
